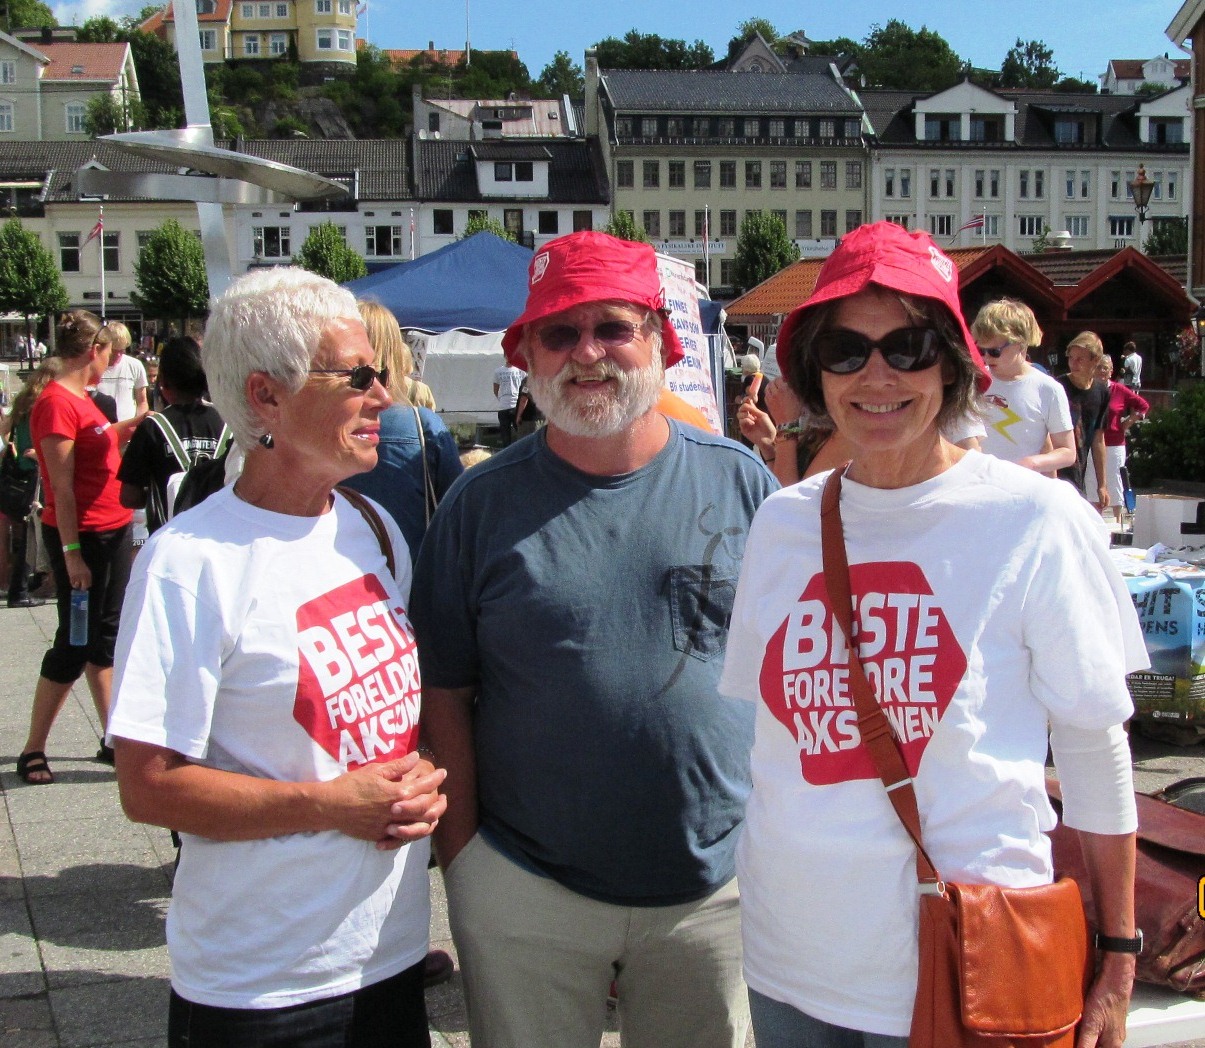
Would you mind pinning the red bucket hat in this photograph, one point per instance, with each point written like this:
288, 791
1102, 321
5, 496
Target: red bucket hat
886, 254
591, 267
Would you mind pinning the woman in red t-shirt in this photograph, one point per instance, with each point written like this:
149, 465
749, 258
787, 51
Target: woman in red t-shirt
85, 527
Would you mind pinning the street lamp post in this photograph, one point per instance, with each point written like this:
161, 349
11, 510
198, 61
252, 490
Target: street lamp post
1141, 189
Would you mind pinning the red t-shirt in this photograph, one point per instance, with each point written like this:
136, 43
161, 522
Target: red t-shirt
60, 413
1122, 401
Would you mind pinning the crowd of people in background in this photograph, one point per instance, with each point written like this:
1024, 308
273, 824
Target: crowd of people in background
592, 675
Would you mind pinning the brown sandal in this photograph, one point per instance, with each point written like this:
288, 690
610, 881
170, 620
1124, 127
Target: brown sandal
34, 763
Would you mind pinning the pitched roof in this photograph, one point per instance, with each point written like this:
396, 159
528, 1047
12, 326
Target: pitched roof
71, 61
509, 151
220, 13
434, 55
1131, 68
712, 91
541, 116
446, 171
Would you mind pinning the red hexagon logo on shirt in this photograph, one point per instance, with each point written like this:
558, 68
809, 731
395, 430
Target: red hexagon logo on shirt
911, 657
358, 692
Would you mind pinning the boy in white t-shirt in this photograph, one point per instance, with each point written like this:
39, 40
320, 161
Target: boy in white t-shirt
1026, 414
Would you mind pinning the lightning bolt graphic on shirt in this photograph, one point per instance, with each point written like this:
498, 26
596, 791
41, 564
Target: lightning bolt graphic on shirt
1011, 418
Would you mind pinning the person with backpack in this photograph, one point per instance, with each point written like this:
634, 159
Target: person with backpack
171, 441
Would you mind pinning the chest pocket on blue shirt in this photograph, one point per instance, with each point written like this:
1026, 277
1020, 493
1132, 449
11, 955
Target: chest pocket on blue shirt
700, 600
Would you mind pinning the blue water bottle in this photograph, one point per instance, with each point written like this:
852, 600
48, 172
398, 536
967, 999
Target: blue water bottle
79, 618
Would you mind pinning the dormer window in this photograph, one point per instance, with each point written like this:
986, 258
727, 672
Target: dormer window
987, 129
942, 128
1070, 132
1167, 132
77, 70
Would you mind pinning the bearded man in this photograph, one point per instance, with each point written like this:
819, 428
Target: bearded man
571, 602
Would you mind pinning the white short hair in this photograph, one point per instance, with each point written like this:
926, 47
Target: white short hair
269, 320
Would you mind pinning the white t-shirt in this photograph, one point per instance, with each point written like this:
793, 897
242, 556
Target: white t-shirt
1020, 412
279, 647
120, 381
988, 605
508, 380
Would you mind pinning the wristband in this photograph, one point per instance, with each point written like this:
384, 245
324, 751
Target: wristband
69, 546
790, 429
1119, 944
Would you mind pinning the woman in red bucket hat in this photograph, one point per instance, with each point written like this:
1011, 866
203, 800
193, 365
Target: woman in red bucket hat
959, 565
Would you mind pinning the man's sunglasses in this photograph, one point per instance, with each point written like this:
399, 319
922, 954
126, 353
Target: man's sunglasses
359, 378
843, 352
558, 338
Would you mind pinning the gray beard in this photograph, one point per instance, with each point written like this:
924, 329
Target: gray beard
605, 412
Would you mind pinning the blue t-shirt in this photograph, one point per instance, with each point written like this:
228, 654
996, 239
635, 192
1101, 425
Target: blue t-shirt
591, 614
396, 482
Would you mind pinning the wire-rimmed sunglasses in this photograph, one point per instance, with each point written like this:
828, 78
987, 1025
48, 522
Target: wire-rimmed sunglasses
558, 338
359, 378
844, 352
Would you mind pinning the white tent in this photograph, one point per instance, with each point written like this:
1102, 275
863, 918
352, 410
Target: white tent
459, 367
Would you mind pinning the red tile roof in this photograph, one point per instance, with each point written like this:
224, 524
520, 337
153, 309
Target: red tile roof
94, 61
437, 56
1131, 68
155, 23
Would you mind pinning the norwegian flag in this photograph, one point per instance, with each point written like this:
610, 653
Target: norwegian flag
97, 229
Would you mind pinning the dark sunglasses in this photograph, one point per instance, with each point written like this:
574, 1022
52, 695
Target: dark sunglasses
359, 378
843, 352
557, 338
994, 353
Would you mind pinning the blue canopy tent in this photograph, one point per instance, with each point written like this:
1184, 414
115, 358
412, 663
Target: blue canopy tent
477, 285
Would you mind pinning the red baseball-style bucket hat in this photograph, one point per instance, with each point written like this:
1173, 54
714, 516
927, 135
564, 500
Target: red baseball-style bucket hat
591, 267
886, 254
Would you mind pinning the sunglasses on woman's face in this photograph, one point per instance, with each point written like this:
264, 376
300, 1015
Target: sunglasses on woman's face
359, 378
843, 352
558, 338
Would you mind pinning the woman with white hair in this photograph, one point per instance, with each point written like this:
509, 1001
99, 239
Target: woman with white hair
268, 700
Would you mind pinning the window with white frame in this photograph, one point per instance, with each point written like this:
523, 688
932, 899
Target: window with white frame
980, 183
251, 44
675, 126
326, 40
344, 7
803, 225
345, 40
1085, 184
278, 44
1030, 225
1157, 191
1121, 225
1070, 185
111, 252
69, 252
383, 241
949, 181
75, 112
1129, 177
902, 221
208, 38
778, 128
271, 242
905, 183
648, 127
803, 174
853, 175
1077, 225
934, 182
264, 10
993, 184
1039, 184
247, 10
941, 225
322, 7
889, 181
282, 10
1023, 184
991, 226
828, 129
1171, 185
1114, 184
8, 72
828, 223
6, 116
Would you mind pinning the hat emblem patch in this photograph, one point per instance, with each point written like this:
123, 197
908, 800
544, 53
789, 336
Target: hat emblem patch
944, 267
539, 267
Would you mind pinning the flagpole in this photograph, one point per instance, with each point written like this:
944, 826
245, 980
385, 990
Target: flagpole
412, 234
707, 247
101, 242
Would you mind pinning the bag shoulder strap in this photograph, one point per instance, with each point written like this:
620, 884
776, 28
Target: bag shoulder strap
173, 439
429, 498
369, 513
873, 725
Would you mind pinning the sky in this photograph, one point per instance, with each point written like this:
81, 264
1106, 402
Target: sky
981, 32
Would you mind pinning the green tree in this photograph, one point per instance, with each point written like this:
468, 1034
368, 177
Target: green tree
27, 14
649, 51
326, 253
562, 76
623, 225
30, 283
1071, 85
747, 30
480, 222
491, 74
841, 46
1170, 445
763, 247
100, 30
169, 275
895, 55
103, 116
1150, 90
1029, 64
1169, 236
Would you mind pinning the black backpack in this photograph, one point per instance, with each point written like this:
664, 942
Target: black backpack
202, 479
